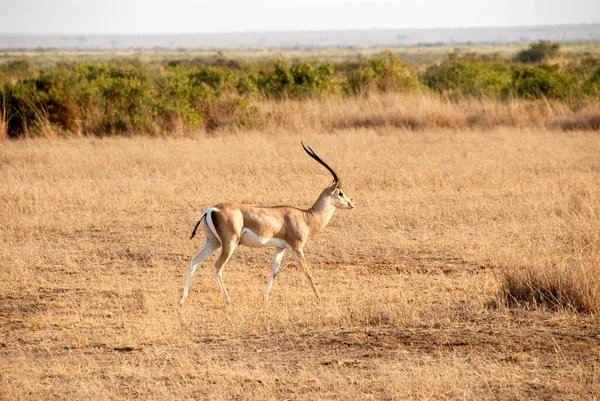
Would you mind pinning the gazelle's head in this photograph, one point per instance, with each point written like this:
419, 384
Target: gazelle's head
339, 198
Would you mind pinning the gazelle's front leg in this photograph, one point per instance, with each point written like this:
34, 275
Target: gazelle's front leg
276, 263
299, 256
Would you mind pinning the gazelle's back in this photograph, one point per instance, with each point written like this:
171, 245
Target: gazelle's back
246, 221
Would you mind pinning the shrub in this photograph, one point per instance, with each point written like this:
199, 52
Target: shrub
247, 85
55, 97
298, 81
215, 78
229, 112
18, 113
126, 101
123, 98
581, 68
538, 52
468, 78
387, 73
537, 82
591, 86
16, 70
309, 80
277, 84
178, 99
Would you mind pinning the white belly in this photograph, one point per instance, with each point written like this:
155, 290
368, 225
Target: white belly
250, 239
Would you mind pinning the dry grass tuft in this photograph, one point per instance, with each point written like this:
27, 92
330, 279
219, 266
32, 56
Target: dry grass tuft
587, 119
400, 119
567, 277
555, 287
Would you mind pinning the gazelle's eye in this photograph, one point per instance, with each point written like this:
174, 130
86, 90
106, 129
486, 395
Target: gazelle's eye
341, 194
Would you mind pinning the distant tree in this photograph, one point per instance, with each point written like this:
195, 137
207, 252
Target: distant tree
538, 52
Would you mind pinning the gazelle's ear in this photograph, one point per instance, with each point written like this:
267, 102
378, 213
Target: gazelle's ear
333, 186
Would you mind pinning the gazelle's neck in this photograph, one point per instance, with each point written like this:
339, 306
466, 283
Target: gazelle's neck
320, 213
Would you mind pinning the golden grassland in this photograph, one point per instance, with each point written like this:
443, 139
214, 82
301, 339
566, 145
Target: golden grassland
418, 283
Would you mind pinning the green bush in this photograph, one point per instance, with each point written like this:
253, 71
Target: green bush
19, 103
591, 86
468, 78
386, 73
538, 82
215, 78
123, 98
309, 80
247, 85
16, 70
56, 97
298, 81
278, 84
538, 52
581, 68
127, 102
177, 100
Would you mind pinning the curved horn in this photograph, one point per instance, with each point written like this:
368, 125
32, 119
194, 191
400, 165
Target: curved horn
312, 154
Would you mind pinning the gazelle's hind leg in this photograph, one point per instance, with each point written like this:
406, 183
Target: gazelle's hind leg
226, 253
212, 244
276, 263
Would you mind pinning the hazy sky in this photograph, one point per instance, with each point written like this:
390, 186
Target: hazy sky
192, 16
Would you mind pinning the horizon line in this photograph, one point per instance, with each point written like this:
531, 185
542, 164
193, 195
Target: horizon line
292, 30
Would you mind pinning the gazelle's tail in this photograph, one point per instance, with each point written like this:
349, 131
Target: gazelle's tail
209, 220
197, 224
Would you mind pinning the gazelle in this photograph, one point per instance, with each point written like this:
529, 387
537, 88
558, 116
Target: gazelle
227, 225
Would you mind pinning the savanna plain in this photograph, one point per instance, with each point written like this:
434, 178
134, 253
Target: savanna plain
95, 245
468, 270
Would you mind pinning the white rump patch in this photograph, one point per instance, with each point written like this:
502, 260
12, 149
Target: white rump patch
250, 239
210, 223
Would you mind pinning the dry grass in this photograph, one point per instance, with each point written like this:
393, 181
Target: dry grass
567, 276
94, 249
3, 125
423, 111
586, 119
